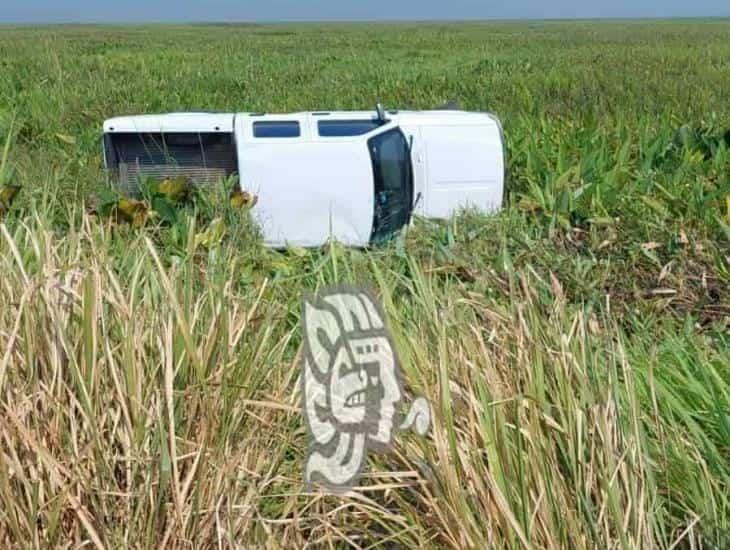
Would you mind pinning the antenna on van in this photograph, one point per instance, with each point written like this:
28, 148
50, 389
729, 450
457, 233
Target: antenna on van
381, 113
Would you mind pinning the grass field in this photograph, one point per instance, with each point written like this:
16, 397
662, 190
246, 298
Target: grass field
575, 347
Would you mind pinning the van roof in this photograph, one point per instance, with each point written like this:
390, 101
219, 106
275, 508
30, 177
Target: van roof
224, 122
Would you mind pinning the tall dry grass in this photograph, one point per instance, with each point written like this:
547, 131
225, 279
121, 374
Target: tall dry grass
149, 402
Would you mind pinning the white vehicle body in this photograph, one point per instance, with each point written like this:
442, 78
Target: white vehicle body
320, 176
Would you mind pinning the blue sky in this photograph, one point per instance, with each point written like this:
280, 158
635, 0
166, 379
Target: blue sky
19, 11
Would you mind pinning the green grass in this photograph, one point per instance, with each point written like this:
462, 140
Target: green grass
575, 347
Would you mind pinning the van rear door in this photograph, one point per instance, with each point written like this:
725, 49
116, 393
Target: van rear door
198, 146
464, 167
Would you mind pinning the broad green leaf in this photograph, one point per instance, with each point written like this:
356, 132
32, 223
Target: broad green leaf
213, 235
165, 210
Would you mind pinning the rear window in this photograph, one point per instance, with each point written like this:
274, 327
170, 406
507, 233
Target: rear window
345, 128
203, 158
276, 129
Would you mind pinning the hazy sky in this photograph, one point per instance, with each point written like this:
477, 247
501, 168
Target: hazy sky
18, 11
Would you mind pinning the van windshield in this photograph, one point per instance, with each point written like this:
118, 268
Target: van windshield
393, 175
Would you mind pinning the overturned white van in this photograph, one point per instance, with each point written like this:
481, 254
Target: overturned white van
357, 177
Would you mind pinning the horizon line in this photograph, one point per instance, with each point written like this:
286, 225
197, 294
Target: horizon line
359, 21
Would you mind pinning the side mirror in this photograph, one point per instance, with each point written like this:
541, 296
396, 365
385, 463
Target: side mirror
381, 113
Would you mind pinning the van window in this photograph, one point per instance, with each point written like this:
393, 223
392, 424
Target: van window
276, 129
344, 128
